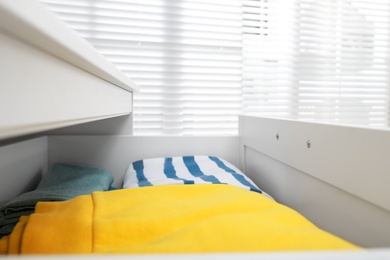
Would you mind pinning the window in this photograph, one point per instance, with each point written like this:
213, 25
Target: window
317, 60
185, 55
200, 63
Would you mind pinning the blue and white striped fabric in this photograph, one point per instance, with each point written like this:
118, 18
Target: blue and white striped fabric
185, 170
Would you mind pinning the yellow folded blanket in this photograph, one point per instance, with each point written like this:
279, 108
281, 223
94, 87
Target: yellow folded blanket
167, 219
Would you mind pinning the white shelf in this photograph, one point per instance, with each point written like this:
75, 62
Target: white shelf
50, 77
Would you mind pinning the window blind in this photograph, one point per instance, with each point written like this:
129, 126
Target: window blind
200, 63
317, 60
185, 56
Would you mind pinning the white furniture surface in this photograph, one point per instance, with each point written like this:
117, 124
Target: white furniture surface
339, 181
22, 166
354, 159
50, 77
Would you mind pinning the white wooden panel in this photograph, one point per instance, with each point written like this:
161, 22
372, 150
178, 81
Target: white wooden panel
114, 153
330, 208
32, 23
350, 158
21, 167
50, 77
40, 92
121, 125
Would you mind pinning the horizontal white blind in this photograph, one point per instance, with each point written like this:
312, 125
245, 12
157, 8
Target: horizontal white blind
317, 60
185, 55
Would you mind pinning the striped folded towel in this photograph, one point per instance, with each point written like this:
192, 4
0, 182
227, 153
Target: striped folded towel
185, 170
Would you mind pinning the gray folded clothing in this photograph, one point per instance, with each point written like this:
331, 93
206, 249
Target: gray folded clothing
64, 182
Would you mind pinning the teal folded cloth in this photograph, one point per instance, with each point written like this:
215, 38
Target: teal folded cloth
64, 182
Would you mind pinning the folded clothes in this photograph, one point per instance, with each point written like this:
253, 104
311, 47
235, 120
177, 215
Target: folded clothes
64, 182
